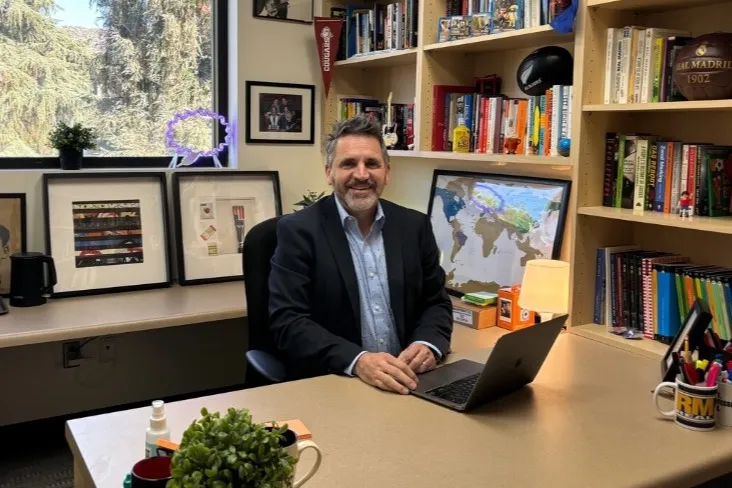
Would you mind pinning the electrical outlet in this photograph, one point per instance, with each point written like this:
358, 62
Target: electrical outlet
107, 350
72, 354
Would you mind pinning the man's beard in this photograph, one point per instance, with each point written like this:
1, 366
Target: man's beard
358, 202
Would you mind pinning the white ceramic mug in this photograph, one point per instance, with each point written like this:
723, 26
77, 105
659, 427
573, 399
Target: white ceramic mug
294, 448
694, 406
724, 404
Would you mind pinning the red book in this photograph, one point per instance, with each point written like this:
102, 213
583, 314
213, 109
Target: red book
439, 92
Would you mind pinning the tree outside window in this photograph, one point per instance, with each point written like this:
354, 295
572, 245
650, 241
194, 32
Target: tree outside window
123, 67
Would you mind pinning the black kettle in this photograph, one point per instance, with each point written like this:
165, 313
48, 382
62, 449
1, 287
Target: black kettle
32, 275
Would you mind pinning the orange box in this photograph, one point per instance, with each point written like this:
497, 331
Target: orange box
473, 316
510, 315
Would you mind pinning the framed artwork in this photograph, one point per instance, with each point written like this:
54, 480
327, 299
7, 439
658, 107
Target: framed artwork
12, 234
280, 113
214, 210
289, 10
488, 226
107, 232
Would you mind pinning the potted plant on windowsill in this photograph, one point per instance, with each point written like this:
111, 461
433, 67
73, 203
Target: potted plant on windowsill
71, 142
231, 451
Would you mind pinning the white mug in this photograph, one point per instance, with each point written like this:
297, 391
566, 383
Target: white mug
294, 448
724, 404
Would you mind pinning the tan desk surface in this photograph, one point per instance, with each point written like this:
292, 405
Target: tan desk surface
72, 318
588, 420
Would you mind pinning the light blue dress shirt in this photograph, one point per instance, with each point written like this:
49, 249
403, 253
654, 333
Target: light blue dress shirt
378, 330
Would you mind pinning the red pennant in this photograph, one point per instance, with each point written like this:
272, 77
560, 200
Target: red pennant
328, 37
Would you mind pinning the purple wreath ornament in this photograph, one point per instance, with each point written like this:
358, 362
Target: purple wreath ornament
188, 154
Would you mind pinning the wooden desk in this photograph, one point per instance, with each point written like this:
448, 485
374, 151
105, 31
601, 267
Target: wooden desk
588, 420
73, 318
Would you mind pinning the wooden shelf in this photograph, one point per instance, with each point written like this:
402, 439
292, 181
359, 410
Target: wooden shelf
644, 347
386, 59
707, 105
720, 225
649, 4
493, 158
519, 39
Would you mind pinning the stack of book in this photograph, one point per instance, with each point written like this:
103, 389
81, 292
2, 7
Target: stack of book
402, 115
639, 64
378, 27
652, 291
503, 125
466, 18
644, 172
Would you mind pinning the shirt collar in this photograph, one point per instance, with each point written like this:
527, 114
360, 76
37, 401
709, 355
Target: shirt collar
345, 216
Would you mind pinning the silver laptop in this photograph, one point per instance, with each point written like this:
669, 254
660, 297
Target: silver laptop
513, 363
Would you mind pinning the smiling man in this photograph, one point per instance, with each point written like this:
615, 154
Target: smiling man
356, 286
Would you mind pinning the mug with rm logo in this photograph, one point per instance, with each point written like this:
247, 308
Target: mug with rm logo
695, 407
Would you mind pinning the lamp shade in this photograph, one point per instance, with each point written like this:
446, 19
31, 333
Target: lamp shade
545, 287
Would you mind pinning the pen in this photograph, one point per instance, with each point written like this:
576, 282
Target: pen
713, 374
687, 357
691, 374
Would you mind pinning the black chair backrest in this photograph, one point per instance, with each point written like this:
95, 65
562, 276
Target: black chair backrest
259, 246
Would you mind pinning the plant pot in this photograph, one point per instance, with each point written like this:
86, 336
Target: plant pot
70, 158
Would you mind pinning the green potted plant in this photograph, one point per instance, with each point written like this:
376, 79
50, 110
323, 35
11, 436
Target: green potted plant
309, 198
71, 142
231, 451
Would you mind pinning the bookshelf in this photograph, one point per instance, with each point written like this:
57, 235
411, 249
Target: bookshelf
706, 240
695, 106
411, 75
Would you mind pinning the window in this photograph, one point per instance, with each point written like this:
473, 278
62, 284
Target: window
123, 67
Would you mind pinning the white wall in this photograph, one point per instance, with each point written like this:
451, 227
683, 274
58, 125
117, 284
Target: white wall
283, 52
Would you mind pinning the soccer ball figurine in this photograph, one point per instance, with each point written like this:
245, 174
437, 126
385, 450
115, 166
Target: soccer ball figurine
684, 204
563, 147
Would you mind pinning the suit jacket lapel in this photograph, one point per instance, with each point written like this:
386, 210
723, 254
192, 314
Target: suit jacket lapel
336, 236
394, 268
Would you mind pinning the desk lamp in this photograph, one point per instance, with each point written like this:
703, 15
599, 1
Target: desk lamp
545, 288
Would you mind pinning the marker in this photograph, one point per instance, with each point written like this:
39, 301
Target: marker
713, 375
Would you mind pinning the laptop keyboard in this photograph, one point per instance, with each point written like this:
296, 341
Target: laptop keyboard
458, 391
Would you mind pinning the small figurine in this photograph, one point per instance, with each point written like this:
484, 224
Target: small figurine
684, 204
563, 147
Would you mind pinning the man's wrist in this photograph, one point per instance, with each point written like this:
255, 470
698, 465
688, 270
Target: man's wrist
352, 367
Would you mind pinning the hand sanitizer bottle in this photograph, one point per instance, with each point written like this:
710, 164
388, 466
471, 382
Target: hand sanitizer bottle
158, 429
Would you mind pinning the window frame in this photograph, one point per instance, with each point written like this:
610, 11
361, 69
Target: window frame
220, 18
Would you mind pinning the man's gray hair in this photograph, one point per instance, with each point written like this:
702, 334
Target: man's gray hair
359, 125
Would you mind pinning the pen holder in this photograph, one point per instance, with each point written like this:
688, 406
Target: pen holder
695, 407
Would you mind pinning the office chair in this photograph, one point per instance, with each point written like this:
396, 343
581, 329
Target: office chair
259, 246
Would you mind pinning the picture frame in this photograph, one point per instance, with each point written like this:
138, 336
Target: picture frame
107, 232
280, 113
477, 217
214, 210
13, 234
300, 11
695, 323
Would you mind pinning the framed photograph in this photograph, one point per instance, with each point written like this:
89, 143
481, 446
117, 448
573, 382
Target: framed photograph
107, 232
12, 234
289, 10
488, 226
214, 210
280, 113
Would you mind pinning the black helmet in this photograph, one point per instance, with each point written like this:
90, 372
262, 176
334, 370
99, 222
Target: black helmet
544, 68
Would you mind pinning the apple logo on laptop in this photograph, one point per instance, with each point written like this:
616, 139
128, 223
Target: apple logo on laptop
518, 363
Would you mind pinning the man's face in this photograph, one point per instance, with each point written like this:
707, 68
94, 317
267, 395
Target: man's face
358, 173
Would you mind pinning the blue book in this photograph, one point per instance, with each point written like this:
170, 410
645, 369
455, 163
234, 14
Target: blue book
667, 304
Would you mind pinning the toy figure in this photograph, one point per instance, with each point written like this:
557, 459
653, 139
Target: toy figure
684, 204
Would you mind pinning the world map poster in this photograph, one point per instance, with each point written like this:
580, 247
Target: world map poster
487, 226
